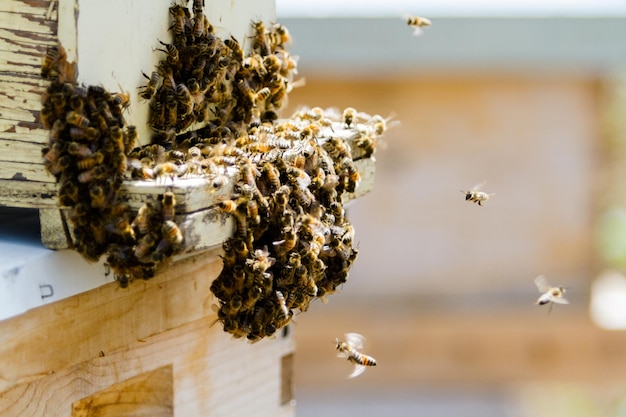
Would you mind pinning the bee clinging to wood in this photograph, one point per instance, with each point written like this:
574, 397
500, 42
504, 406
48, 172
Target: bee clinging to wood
417, 23
549, 294
476, 196
350, 349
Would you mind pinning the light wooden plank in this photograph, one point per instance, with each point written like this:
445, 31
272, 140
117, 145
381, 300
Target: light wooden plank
179, 295
212, 374
147, 394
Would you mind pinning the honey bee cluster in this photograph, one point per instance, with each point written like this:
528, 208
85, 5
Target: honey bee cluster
293, 242
214, 116
87, 153
204, 79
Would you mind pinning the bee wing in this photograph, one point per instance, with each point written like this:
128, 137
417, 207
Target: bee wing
542, 284
559, 300
358, 370
478, 186
355, 340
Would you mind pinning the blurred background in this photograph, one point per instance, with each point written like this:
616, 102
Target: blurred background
529, 97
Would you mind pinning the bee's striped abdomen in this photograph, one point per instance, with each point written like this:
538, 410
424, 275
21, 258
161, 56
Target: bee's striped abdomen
361, 359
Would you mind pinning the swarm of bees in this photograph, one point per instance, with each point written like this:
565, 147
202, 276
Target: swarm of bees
351, 350
89, 142
204, 80
293, 242
214, 116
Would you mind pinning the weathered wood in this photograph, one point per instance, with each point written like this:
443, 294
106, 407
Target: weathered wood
28, 194
54, 231
23, 171
66, 351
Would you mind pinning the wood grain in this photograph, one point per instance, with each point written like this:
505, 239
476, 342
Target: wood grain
62, 353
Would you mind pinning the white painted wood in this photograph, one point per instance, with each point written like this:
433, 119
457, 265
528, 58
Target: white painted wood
117, 40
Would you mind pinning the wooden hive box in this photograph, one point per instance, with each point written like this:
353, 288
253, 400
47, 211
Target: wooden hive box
98, 349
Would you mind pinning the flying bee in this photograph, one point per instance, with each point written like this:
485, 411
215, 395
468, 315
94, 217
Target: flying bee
549, 294
417, 23
168, 203
350, 349
476, 196
76, 119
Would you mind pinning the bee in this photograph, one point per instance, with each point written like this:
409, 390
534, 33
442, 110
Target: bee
53, 55
290, 238
144, 245
171, 51
337, 148
123, 228
97, 172
283, 313
476, 196
79, 133
260, 43
234, 46
279, 35
153, 84
185, 100
350, 349
130, 139
367, 144
165, 170
349, 116
172, 232
98, 196
168, 203
76, 119
141, 221
121, 99
262, 95
90, 162
417, 23
549, 294
271, 63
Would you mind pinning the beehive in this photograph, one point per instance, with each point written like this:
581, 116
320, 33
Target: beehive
96, 36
